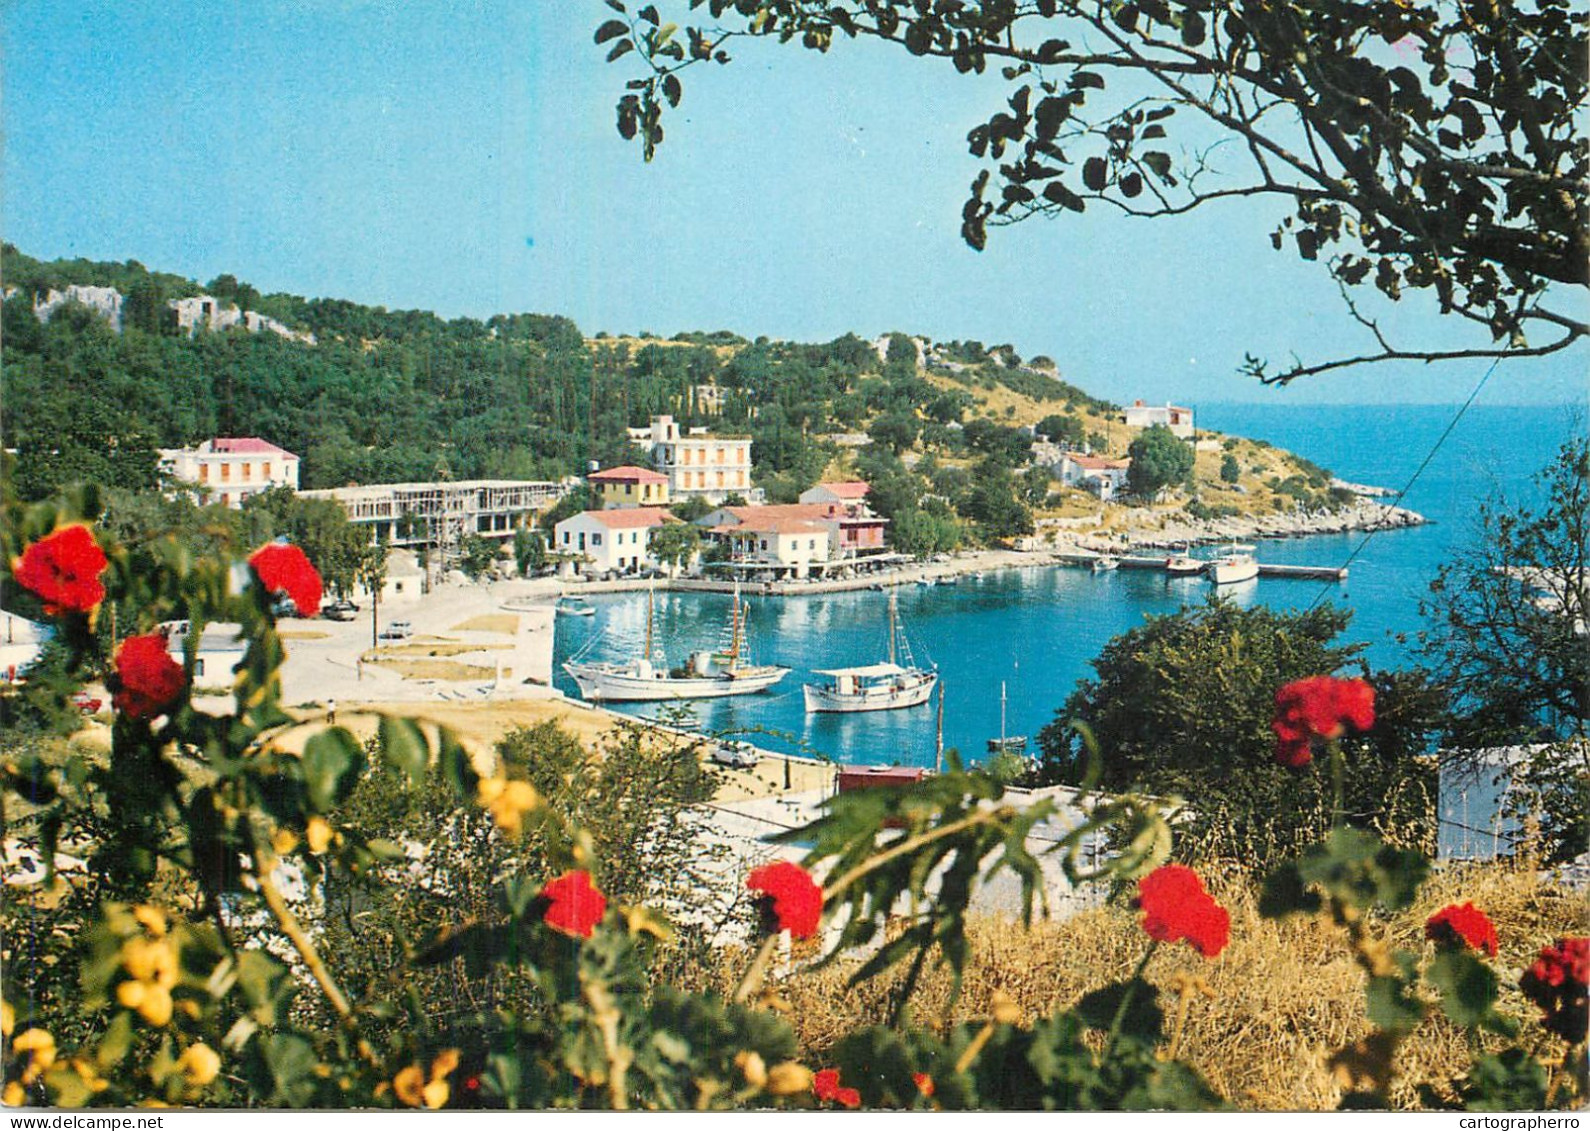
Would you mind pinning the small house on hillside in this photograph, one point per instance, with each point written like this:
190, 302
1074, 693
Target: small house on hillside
1106, 478
852, 493
1178, 419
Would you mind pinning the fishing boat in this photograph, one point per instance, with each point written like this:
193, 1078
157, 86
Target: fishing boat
1181, 563
1105, 562
575, 607
1237, 564
883, 686
707, 675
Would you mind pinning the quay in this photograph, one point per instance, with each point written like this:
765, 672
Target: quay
1266, 569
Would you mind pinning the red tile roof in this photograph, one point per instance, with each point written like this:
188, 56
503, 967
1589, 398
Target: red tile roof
1098, 463
627, 474
851, 489
776, 525
632, 518
247, 445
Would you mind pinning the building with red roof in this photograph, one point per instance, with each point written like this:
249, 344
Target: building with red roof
629, 486
610, 541
232, 468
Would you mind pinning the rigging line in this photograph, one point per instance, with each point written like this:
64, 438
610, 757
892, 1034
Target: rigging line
1408, 486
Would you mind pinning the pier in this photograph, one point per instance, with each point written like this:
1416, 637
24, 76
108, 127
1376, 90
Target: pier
1295, 572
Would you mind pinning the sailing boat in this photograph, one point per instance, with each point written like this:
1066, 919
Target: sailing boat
708, 675
1015, 743
875, 687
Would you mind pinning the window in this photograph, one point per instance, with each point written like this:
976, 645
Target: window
226, 473
764, 543
198, 667
204, 473
596, 539
248, 472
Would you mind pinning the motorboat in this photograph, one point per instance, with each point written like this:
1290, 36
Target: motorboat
884, 686
1235, 565
575, 607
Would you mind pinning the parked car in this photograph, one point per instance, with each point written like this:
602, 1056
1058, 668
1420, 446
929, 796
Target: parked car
340, 610
87, 703
397, 630
738, 755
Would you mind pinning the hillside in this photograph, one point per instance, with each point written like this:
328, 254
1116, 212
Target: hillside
364, 394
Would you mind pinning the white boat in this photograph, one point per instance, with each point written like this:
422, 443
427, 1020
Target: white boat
575, 607
883, 686
1011, 743
708, 675
1181, 563
1104, 563
1236, 565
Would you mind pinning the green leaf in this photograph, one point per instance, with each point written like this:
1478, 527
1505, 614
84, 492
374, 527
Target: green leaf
612, 29
404, 747
1509, 1081
622, 47
332, 763
1285, 893
1468, 986
1156, 160
1094, 173
266, 985
1193, 28
1391, 1004
458, 770
1143, 1020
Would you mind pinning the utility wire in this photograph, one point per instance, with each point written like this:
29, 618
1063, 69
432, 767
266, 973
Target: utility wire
1397, 502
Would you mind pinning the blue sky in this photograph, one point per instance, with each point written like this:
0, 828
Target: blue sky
461, 157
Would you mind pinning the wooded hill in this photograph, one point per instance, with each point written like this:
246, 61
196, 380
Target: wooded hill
385, 396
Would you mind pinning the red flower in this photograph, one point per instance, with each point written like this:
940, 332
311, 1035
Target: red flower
1176, 906
63, 568
575, 905
1557, 984
797, 901
923, 1082
1461, 926
825, 1086
1318, 707
284, 569
150, 679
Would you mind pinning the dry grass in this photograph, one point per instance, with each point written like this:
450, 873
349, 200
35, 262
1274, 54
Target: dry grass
436, 669
505, 623
301, 634
428, 651
1287, 994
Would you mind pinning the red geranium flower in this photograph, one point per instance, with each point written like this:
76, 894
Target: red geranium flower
1318, 707
150, 679
1462, 925
1557, 984
1176, 906
923, 1082
63, 568
796, 900
825, 1086
284, 569
575, 905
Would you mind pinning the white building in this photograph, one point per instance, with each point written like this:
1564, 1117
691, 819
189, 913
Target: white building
106, 301
1179, 420
1106, 478
416, 514
697, 463
233, 468
21, 640
206, 312
611, 541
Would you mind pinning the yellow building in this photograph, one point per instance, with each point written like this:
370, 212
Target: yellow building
629, 487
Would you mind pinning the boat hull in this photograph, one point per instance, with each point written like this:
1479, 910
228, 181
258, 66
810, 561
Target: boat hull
884, 697
1232, 571
616, 684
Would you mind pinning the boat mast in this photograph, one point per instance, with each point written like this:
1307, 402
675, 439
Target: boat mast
1001, 716
650, 591
734, 641
894, 604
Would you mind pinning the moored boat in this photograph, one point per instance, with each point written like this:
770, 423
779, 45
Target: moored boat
707, 675
1237, 564
1181, 563
883, 686
575, 607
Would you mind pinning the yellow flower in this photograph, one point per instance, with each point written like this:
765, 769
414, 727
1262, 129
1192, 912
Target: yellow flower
408, 1085
150, 961
444, 1064
8, 1018
200, 1063
15, 1095
754, 1067
40, 1049
435, 1094
87, 1073
508, 801
152, 918
789, 1078
284, 841
319, 834
152, 1001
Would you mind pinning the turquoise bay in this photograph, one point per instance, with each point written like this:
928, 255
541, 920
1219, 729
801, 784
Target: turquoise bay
1035, 630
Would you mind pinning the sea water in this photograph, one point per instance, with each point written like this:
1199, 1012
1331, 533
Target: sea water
1032, 632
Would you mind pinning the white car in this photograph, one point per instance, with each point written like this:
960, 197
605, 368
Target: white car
397, 630
738, 755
